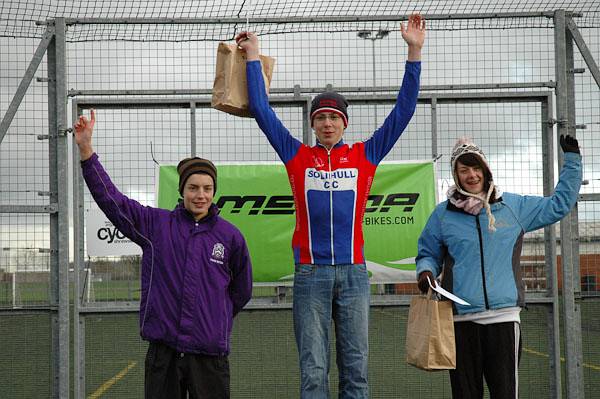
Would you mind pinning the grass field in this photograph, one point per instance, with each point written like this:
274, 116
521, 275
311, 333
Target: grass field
264, 357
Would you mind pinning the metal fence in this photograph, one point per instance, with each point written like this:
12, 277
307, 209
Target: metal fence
512, 77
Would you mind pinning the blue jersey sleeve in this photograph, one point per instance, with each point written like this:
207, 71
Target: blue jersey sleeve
278, 135
385, 137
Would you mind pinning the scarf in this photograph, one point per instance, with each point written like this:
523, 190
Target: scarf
474, 203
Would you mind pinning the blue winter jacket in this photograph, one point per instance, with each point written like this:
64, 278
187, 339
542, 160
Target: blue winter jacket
196, 276
483, 267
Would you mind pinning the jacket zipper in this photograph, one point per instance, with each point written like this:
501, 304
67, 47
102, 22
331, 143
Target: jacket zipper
485, 296
330, 206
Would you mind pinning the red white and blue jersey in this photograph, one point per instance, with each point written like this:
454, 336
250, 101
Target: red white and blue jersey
331, 187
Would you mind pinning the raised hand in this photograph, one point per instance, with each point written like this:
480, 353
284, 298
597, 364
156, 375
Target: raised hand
248, 41
414, 35
569, 144
83, 129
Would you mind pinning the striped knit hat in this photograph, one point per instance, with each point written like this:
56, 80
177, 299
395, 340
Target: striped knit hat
190, 166
329, 101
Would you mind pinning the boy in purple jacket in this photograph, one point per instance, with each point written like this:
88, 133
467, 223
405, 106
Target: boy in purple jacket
196, 275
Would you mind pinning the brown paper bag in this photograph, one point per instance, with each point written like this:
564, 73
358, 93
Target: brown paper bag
430, 341
230, 91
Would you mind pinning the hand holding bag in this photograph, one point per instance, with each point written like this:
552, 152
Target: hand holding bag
230, 90
430, 341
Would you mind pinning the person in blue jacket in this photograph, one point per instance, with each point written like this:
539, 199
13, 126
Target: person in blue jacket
196, 275
476, 236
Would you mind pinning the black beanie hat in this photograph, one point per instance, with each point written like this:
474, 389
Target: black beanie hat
329, 101
190, 166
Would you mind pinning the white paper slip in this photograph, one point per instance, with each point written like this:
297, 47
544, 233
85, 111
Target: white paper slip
438, 288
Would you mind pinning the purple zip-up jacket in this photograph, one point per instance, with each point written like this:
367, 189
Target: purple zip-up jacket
196, 276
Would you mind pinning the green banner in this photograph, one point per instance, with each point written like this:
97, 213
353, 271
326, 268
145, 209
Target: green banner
257, 199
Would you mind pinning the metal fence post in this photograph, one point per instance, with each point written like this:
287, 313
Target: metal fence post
193, 133
565, 110
59, 221
550, 255
78, 267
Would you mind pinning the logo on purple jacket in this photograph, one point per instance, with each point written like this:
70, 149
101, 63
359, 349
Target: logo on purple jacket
218, 253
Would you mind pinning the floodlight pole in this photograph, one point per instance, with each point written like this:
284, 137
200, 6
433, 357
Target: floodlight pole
373, 36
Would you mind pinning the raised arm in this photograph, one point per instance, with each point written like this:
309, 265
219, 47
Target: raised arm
278, 135
385, 137
537, 212
129, 216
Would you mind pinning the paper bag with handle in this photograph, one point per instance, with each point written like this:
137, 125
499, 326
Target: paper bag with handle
430, 341
230, 92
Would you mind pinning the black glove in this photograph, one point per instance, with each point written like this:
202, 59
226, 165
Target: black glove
423, 283
569, 144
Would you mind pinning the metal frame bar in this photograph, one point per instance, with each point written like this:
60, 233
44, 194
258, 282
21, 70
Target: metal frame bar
272, 303
565, 92
78, 267
571, 239
53, 223
35, 310
454, 98
59, 221
145, 102
307, 136
589, 197
79, 388
62, 166
28, 209
299, 20
299, 90
434, 129
584, 50
573, 217
26, 81
193, 132
550, 254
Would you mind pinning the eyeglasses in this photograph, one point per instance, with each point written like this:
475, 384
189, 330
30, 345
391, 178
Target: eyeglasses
332, 117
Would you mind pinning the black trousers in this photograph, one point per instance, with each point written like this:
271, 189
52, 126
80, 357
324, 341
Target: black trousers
492, 351
171, 375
